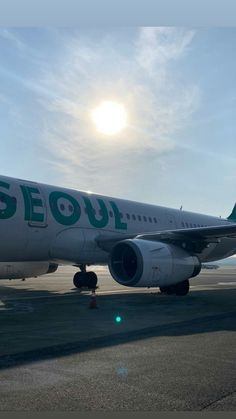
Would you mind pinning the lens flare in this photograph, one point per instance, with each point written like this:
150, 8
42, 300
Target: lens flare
118, 319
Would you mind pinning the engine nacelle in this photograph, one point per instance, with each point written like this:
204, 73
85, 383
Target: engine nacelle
21, 270
143, 263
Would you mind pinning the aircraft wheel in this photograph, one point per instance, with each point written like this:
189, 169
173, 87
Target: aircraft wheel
179, 289
163, 289
91, 280
182, 288
167, 290
85, 279
78, 280
170, 290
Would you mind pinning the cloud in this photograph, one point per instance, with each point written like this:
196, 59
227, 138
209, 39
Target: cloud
157, 46
14, 39
134, 71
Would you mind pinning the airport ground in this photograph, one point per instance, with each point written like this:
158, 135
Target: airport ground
167, 353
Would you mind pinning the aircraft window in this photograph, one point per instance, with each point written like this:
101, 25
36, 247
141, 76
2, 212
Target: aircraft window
133, 216
186, 225
70, 208
194, 225
139, 218
127, 216
62, 207
150, 219
144, 218
111, 214
155, 220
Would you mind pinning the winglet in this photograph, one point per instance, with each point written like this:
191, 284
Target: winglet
232, 216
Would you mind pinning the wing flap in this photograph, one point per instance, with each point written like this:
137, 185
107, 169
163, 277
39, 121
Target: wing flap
198, 233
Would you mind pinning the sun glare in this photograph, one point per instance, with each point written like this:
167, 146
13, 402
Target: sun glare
109, 117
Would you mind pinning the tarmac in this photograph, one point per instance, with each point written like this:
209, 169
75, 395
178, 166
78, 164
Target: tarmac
138, 350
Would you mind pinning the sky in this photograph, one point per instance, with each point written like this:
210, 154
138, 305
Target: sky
178, 86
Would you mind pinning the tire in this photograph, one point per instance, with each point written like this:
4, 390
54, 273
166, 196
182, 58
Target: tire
78, 280
91, 280
163, 289
182, 288
179, 289
85, 279
168, 290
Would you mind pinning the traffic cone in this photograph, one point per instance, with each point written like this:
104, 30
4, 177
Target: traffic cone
93, 302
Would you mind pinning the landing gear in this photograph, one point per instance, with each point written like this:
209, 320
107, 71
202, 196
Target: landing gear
179, 289
85, 279
182, 288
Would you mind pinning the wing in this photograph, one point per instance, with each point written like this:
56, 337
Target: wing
195, 239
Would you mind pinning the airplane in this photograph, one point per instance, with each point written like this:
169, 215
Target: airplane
44, 226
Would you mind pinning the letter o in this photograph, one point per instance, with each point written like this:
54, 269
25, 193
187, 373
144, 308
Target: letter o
62, 218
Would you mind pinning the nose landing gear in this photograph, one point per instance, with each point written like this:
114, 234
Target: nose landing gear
85, 279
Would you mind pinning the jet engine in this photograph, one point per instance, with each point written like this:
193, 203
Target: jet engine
143, 263
21, 270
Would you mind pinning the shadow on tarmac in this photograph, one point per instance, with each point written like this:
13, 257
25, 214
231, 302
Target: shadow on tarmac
63, 316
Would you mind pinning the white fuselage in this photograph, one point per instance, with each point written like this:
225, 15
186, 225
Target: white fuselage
45, 223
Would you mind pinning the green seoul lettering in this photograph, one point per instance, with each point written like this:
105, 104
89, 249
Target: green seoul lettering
103, 221
9, 202
31, 203
58, 214
118, 223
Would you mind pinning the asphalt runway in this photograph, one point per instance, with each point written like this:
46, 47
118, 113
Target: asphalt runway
167, 353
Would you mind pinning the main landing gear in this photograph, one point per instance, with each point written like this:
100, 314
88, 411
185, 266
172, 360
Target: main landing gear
85, 279
179, 289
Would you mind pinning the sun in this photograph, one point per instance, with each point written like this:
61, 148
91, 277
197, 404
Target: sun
109, 117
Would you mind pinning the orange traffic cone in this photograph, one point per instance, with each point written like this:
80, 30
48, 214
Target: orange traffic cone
93, 302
